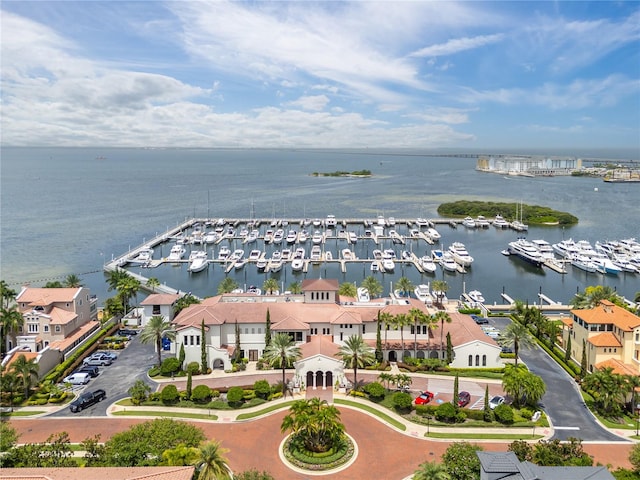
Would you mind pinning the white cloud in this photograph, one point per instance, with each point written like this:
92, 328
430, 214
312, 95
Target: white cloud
458, 45
310, 102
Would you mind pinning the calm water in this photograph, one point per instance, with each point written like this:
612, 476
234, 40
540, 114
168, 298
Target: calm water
64, 211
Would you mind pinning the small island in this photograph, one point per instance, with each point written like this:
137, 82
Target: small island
338, 173
529, 214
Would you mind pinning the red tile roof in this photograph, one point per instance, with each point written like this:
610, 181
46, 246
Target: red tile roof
98, 473
607, 312
319, 345
320, 284
618, 367
46, 296
160, 299
605, 339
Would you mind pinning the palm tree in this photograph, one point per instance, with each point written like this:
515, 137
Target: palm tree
127, 289
116, 276
405, 286
442, 316
152, 283
592, 296
431, 471
227, 285
347, 289
281, 353
10, 322
387, 319
356, 353
72, 281
607, 389
153, 332
373, 286
26, 370
522, 385
399, 322
211, 463
417, 317
518, 335
270, 285
386, 377
441, 287
7, 294
314, 423
295, 287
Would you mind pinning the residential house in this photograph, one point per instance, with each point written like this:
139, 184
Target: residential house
320, 321
162, 304
611, 335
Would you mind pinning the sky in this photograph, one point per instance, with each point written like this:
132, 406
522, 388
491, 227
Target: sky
365, 74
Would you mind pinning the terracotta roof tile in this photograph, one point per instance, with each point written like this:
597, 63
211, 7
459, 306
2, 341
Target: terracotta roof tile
46, 296
73, 337
318, 284
61, 317
160, 299
607, 312
618, 367
319, 345
98, 473
605, 339
289, 324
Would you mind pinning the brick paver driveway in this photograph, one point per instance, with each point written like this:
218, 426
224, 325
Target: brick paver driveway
384, 453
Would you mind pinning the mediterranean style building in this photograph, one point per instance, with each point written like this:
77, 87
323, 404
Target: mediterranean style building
320, 322
611, 335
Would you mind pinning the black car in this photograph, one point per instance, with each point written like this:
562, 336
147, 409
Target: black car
87, 399
93, 371
127, 332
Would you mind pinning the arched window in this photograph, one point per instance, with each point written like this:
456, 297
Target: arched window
484, 360
477, 360
471, 360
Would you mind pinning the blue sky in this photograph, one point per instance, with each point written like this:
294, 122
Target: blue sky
321, 74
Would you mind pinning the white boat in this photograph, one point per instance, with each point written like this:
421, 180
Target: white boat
276, 265
292, 236
254, 290
347, 254
316, 253
303, 236
566, 248
297, 264
545, 249
448, 262
381, 221
391, 221
476, 296
624, 263
253, 236
396, 237
236, 255
286, 254
278, 236
377, 254
436, 255
388, 265
388, 254
353, 237
433, 234
362, 294
584, 263
268, 236
198, 261
526, 251
176, 254
316, 222
145, 255
482, 222
261, 264
440, 296
460, 254
518, 226
427, 264
500, 222
330, 222
423, 294
422, 222
328, 256
406, 255
374, 267
254, 255
317, 237
469, 222
605, 265
240, 263
223, 253
210, 237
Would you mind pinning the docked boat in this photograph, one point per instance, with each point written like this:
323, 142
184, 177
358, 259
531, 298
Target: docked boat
428, 265
210, 237
545, 249
389, 254
448, 263
297, 264
377, 254
261, 264
286, 254
268, 236
500, 222
433, 234
303, 236
254, 255
423, 294
316, 222
436, 255
347, 254
526, 251
353, 237
240, 263
328, 256
278, 236
224, 253
396, 237
518, 226
317, 237
176, 254
276, 265
460, 254
566, 248
144, 256
482, 222
362, 294
422, 222
406, 255
624, 263
292, 236
316, 253
254, 290
469, 222
584, 263
236, 255
374, 267
253, 236
299, 253
605, 265
330, 222
198, 261
476, 296
388, 265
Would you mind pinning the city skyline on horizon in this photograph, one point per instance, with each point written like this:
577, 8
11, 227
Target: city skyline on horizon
421, 75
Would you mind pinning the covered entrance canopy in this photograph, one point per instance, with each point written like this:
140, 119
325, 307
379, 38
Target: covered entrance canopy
319, 368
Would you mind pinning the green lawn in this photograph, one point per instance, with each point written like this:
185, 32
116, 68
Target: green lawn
373, 411
246, 416
483, 436
150, 413
21, 413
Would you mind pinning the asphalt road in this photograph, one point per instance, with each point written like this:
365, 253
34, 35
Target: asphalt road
562, 401
132, 364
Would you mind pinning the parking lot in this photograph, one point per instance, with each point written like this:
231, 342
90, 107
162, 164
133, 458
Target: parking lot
132, 364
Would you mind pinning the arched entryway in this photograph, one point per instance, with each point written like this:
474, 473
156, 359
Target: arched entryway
420, 354
218, 364
393, 357
320, 379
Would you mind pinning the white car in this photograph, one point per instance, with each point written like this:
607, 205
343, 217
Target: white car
495, 401
77, 379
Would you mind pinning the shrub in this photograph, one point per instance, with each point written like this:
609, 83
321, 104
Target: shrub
215, 393
357, 393
169, 394
194, 368
446, 412
169, 366
526, 413
154, 371
424, 410
234, 396
248, 395
201, 394
375, 390
402, 401
474, 414
503, 414
276, 395
262, 388
154, 397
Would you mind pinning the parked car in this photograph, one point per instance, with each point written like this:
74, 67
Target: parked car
481, 320
77, 379
91, 370
507, 350
495, 401
464, 398
127, 332
112, 355
87, 399
99, 361
424, 398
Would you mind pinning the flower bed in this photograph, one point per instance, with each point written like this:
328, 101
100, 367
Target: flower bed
319, 461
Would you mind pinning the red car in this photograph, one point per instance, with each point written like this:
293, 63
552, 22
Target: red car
423, 398
463, 399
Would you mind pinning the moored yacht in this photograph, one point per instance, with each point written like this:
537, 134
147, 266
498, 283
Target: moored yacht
317, 237
254, 255
526, 251
460, 254
224, 253
292, 236
316, 253
482, 222
427, 264
176, 254
423, 293
330, 222
278, 236
584, 263
469, 222
545, 249
433, 234
145, 255
500, 222
448, 263
198, 261
566, 248
476, 296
